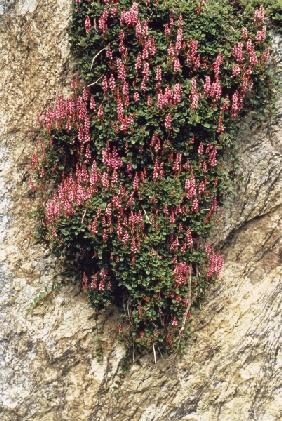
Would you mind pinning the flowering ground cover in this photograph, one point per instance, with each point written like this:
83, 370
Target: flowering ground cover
130, 167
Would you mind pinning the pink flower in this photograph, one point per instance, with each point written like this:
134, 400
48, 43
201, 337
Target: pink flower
195, 205
216, 262
138, 63
236, 70
105, 85
146, 71
136, 182
158, 74
121, 70
207, 85
216, 90
252, 54
194, 95
105, 180
244, 33
181, 272
94, 282
261, 35
156, 171
85, 94
177, 163
102, 285
217, 64
74, 83
174, 322
149, 101
265, 56
109, 53
167, 29
202, 186
170, 51
84, 281
259, 15
112, 83
92, 103
134, 248
238, 52
189, 238
168, 121
190, 188
220, 126
87, 24
102, 23
235, 107
212, 152
193, 57
100, 113
93, 227
138, 30
177, 93
176, 64
130, 17
201, 149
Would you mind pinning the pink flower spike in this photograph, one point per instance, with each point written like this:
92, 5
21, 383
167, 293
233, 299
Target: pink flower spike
87, 24
84, 281
168, 121
174, 322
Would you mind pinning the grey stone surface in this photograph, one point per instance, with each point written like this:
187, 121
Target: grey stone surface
50, 367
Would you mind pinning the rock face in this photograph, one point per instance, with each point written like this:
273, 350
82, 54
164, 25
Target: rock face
57, 362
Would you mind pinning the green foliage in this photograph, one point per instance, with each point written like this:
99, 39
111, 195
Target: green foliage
273, 10
131, 167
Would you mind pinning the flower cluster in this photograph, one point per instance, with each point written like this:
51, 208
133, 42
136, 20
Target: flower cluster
133, 158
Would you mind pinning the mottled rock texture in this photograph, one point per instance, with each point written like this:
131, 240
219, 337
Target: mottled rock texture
54, 363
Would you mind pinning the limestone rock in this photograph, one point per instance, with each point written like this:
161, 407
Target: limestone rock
58, 363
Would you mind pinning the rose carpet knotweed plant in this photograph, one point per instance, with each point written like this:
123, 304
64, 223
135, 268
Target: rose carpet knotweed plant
130, 166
